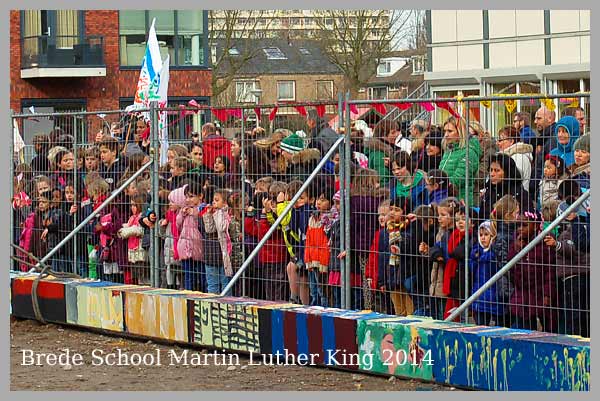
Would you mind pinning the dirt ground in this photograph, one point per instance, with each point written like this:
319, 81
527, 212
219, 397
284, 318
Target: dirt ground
30, 335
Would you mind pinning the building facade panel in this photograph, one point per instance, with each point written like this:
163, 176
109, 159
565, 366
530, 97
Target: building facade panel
469, 25
530, 52
445, 58
503, 55
443, 26
470, 57
566, 50
502, 23
564, 21
530, 22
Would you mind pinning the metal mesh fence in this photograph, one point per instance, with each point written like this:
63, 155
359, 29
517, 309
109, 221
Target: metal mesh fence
436, 203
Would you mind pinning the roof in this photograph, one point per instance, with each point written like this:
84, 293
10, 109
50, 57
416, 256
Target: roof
299, 57
403, 75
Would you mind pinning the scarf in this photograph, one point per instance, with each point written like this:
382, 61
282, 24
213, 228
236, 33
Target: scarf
452, 264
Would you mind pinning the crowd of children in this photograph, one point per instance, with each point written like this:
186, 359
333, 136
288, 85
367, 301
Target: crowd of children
415, 248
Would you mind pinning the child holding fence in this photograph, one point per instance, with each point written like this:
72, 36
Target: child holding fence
133, 232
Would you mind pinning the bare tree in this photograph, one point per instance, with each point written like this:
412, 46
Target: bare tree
356, 40
417, 31
227, 29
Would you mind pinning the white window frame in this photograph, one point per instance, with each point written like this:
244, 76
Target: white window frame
249, 85
323, 81
293, 98
388, 68
372, 88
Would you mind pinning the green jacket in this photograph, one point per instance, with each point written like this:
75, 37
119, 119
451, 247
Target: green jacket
376, 150
454, 163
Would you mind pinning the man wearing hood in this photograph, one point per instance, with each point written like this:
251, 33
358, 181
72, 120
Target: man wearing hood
214, 145
521, 152
323, 136
567, 132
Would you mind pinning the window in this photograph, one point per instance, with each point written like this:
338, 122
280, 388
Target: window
378, 92
384, 68
234, 52
304, 51
243, 91
274, 53
286, 90
324, 90
418, 65
180, 34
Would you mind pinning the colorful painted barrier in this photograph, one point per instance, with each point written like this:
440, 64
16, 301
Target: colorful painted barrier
477, 357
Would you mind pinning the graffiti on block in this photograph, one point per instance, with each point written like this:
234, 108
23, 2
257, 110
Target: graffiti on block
156, 315
226, 326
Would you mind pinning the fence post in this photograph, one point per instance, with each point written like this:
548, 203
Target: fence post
346, 187
342, 172
11, 159
243, 196
154, 243
467, 208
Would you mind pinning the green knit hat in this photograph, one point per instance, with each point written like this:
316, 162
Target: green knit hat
582, 143
292, 144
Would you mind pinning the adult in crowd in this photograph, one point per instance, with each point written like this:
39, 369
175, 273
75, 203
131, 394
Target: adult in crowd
271, 149
579, 115
380, 148
323, 136
433, 150
567, 132
510, 143
457, 147
545, 124
300, 162
522, 123
418, 132
40, 164
581, 170
504, 179
214, 145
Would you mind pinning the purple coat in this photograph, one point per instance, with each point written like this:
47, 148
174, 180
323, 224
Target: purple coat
363, 226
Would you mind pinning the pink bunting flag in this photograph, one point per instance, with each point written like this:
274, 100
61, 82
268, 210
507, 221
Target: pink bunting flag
353, 108
428, 106
446, 106
380, 108
193, 103
273, 113
301, 110
320, 110
257, 112
237, 113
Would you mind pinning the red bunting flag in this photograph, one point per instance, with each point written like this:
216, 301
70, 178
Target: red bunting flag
273, 114
301, 110
237, 113
428, 106
220, 114
193, 103
402, 105
353, 108
320, 110
380, 108
446, 106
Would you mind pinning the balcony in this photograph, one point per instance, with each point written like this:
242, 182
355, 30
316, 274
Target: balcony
62, 56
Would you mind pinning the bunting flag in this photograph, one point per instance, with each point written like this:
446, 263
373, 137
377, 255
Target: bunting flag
301, 110
162, 116
258, 113
549, 103
380, 108
427, 106
486, 103
320, 110
273, 113
237, 113
353, 108
149, 80
403, 105
446, 106
220, 114
193, 103
574, 103
510, 105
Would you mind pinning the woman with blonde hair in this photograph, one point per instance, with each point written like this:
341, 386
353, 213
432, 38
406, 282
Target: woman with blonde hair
457, 145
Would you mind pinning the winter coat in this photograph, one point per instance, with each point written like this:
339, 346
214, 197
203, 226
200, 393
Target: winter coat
111, 220
454, 163
547, 140
504, 239
566, 151
40, 165
215, 146
376, 150
379, 256
274, 249
527, 135
235, 234
439, 250
316, 251
217, 244
533, 277
482, 266
572, 253
437, 196
169, 248
133, 233
428, 163
302, 164
522, 154
56, 231
488, 148
582, 174
189, 244
363, 226
298, 224
323, 137
30, 239
493, 193
113, 173
548, 191
335, 264
417, 192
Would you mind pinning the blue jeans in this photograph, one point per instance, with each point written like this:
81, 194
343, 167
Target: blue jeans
422, 307
82, 266
216, 279
317, 298
192, 275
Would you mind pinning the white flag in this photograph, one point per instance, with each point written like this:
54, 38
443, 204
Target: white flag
162, 116
149, 81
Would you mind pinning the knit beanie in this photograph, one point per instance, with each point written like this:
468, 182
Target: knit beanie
583, 143
292, 144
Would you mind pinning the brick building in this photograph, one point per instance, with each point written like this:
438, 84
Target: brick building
74, 60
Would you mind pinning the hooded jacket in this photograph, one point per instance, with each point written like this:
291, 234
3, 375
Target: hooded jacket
302, 164
483, 266
582, 174
323, 137
376, 150
522, 154
527, 135
454, 163
215, 146
189, 244
417, 191
566, 151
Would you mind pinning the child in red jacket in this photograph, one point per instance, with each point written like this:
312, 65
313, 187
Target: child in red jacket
381, 303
